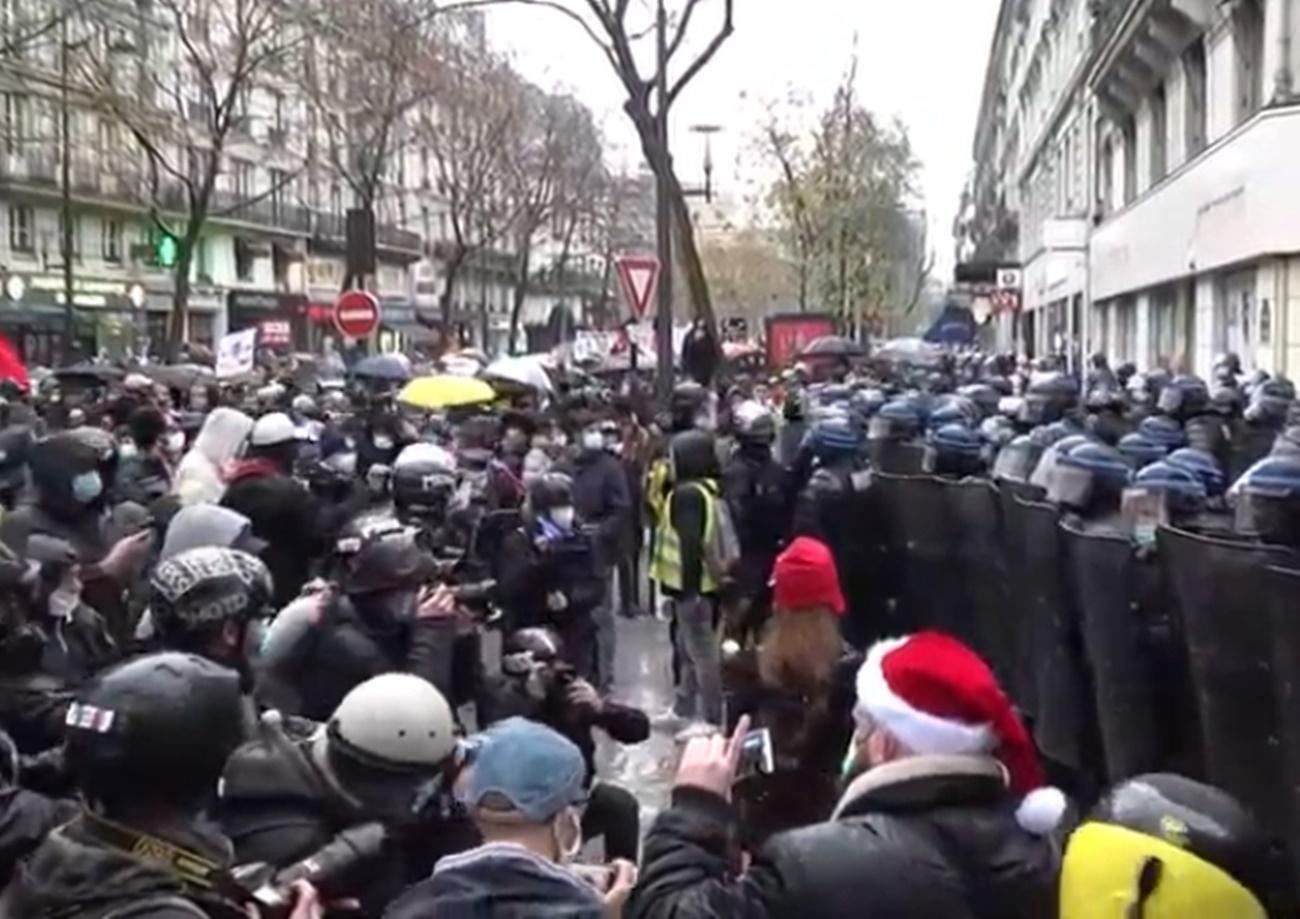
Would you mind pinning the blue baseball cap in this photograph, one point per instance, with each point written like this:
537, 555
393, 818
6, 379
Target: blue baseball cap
532, 771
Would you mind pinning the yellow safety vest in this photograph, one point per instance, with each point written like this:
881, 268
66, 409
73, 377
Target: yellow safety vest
666, 565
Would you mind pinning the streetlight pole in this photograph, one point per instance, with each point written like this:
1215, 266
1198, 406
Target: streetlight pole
65, 167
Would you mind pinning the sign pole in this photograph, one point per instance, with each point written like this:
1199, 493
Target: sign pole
664, 232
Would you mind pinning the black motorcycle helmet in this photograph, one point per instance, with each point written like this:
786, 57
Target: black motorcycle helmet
694, 455
156, 731
382, 557
549, 491
424, 480
688, 400
193, 595
754, 425
1168, 847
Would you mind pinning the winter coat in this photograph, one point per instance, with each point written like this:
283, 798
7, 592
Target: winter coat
143, 479
503, 697
75, 875
286, 516
199, 477
809, 737
529, 568
279, 805
315, 655
203, 525
601, 499
755, 488
499, 881
919, 838
26, 818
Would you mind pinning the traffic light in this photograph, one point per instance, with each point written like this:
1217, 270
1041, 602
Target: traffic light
166, 248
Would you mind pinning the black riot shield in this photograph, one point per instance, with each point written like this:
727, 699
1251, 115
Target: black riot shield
922, 549
1101, 579
866, 575
1063, 694
1216, 585
1023, 681
981, 572
897, 457
1281, 588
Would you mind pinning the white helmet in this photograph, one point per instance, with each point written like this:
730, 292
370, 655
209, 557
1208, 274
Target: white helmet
425, 454
395, 720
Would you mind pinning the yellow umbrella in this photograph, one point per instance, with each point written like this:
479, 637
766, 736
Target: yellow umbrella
446, 392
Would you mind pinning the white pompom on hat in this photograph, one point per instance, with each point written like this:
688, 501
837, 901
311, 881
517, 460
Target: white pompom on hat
937, 697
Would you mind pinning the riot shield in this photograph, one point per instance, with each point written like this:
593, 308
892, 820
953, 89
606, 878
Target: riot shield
981, 572
1101, 583
897, 457
1023, 682
922, 550
1282, 594
1216, 585
1063, 694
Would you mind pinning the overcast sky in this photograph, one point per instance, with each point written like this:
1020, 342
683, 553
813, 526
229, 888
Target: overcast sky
920, 60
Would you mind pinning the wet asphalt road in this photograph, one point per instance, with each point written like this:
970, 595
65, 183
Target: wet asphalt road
643, 678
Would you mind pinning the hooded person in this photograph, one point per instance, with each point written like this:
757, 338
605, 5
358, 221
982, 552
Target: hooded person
209, 526
945, 813
200, 477
284, 513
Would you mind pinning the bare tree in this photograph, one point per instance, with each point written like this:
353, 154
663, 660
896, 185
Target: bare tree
620, 34
551, 170
467, 130
183, 94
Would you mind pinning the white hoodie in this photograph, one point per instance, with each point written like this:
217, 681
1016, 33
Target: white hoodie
199, 477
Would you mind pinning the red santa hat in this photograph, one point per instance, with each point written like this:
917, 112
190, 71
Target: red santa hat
937, 697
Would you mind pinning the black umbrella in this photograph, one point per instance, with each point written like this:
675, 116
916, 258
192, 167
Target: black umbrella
833, 346
89, 373
180, 376
385, 367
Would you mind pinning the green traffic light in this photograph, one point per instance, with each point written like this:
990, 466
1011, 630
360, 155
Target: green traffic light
166, 250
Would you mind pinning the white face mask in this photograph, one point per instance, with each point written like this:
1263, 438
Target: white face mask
383, 442
563, 517
593, 440
175, 442
63, 602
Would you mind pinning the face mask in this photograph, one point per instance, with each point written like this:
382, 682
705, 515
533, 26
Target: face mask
567, 823
343, 463
62, 603
175, 442
87, 487
128, 450
382, 442
593, 440
563, 517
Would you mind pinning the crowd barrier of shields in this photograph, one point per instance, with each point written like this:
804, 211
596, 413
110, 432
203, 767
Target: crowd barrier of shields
1184, 657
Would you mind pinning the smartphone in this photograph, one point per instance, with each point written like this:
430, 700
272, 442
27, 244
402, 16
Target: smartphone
756, 754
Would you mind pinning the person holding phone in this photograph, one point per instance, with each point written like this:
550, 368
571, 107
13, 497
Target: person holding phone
797, 685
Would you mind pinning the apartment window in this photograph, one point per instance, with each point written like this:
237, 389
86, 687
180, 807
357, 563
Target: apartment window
1106, 184
279, 190
22, 228
76, 237
242, 174
1159, 135
17, 123
1248, 46
336, 200
108, 138
1128, 132
1194, 97
110, 240
243, 259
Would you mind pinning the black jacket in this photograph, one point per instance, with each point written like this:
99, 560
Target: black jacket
503, 697
922, 838
601, 498
307, 667
756, 490
529, 568
143, 479
288, 517
74, 875
26, 819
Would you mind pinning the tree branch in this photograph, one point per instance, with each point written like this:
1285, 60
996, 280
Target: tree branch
723, 33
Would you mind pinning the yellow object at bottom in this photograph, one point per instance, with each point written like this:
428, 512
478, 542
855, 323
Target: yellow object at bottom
1100, 880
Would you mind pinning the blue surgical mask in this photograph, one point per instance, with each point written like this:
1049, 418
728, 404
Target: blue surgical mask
87, 487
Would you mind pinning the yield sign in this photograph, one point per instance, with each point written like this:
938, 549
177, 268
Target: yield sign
639, 276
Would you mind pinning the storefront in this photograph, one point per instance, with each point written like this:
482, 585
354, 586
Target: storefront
280, 318
105, 318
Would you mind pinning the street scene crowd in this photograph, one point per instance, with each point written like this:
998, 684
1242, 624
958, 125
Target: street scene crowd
949, 635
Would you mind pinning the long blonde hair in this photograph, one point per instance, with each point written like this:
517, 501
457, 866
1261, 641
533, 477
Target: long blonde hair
799, 650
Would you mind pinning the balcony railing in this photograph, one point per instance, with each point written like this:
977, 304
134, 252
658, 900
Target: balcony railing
330, 226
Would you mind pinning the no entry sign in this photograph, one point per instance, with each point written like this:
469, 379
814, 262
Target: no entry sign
356, 314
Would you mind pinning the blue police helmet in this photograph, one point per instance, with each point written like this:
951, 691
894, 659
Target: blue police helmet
1275, 476
1141, 451
1105, 463
1164, 431
1183, 489
1204, 466
836, 437
957, 440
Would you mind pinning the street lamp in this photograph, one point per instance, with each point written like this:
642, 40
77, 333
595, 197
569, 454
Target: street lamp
707, 130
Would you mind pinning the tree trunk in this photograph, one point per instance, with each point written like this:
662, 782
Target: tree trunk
454, 264
521, 292
177, 327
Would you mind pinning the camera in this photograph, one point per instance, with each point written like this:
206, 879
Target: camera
756, 757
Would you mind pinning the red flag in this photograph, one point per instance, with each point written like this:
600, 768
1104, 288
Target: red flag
12, 366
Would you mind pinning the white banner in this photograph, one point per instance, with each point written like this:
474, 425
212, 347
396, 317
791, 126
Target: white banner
235, 353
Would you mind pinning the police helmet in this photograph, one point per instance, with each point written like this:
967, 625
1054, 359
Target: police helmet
155, 729
1204, 466
1016, 461
984, 396
304, 405
954, 410
424, 476
754, 424
898, 419
1163, 846
198, 590
1267, 499
1140, 450
380, 556
1164, 431
1183, 396
1270, 401
1183, 490
836, 437
1085, 472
